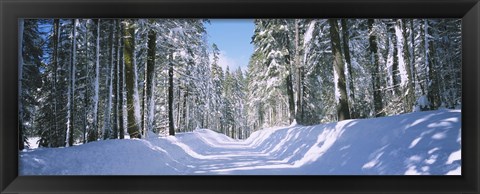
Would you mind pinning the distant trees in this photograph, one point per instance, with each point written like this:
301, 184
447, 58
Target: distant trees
82, 80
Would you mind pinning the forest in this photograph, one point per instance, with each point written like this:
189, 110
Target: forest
86, 80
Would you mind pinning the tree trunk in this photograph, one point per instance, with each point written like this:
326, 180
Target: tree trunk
290, 93
115, 77
87, 95
149, 86
346, 51
343, 111
184, 111
107, 127
431, 83
299, 109
171, 127
409, 91
56, 38
377, 96
179, 123
133, 127
412, 57
71, 91
93, 133
432, 86
120, 85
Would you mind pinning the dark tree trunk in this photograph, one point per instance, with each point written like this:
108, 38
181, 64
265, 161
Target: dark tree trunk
56, 38
93, 132
133, 127
120, 86
412, 55
377, 95
410, 92
107, 132
184, 112
299, 107
115, 77
87, 95
179, 119
171, 127
149, 76
433, 90
291, 101
343, 111
71, 95
346, 51
290, 94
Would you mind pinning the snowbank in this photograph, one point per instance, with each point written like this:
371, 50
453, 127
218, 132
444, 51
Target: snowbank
420, 143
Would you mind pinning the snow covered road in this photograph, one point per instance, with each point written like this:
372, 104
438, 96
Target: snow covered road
422, 143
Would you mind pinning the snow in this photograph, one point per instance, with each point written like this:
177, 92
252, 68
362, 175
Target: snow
294, 123
402, 66
422, 102
455, 156
406, 144
308, 38
309, 32
33, 142
337, 89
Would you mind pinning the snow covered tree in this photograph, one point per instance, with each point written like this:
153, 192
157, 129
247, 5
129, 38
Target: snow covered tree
377, 97
348, 61
149, 87
107, 127
133, 124
161, 75
343, 112
275, 53
71, 88
171, 125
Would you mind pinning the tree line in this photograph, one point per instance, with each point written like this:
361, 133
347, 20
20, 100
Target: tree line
322, 70
84, 80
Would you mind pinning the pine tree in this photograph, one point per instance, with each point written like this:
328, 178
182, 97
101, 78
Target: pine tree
107, 127
299, 103
93, 132
71, 88
130, 68
377, 97
348, 61
407, 84
121, 81
149, 86
171, 126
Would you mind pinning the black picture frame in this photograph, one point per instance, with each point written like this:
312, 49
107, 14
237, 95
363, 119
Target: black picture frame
468, 10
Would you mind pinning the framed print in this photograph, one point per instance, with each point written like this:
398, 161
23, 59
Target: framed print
239, 96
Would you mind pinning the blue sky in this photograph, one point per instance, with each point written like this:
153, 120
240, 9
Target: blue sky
233, 37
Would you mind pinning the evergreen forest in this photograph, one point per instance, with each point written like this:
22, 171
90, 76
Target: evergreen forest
86, 80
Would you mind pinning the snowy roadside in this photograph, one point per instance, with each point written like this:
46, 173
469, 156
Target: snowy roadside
420, 143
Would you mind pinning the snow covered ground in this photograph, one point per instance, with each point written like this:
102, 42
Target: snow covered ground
420, 143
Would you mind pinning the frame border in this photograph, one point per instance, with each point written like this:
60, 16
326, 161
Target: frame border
468, 10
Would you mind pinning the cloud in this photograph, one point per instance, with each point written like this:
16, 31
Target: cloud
225, 61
